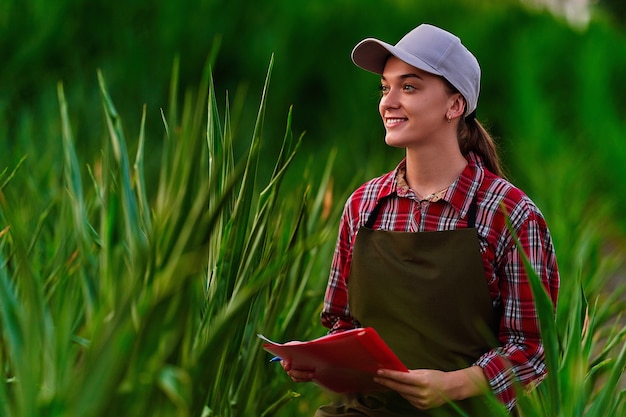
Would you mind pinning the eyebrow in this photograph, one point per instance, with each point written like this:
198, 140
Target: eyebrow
404, 76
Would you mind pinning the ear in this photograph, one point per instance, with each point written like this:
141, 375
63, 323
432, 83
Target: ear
456, 106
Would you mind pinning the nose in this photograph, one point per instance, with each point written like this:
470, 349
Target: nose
388, 100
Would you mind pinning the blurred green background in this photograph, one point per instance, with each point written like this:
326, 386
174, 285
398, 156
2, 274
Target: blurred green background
546, 84
553, 90
553, 93
544, 81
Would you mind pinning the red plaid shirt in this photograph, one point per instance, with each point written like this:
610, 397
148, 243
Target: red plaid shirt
520, 356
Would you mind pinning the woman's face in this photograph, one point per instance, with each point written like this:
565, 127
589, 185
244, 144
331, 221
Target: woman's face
413, 105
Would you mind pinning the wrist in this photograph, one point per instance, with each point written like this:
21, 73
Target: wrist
466, 383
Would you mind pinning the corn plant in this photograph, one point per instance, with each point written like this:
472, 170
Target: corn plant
585, 363
129, 296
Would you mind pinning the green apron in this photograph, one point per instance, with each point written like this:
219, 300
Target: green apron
426, 295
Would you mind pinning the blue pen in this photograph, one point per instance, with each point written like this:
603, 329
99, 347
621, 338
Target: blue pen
275, 359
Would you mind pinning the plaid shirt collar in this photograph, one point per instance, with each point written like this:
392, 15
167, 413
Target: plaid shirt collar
459, 194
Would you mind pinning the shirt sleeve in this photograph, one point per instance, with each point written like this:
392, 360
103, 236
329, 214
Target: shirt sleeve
520, 358
336, 313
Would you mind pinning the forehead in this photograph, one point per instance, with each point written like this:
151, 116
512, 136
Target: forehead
395, 67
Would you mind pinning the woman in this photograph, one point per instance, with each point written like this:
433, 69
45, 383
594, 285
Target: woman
424, 254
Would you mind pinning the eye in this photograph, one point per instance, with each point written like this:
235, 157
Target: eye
408, 87
383, 89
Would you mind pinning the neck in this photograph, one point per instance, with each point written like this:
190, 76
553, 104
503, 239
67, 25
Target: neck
433, 169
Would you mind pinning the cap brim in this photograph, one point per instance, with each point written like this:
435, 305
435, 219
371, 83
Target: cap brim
372, 54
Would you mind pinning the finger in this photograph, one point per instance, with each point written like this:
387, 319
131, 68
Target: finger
410, 393
412, 378
398, 386
300, 375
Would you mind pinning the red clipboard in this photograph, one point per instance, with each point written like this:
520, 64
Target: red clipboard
343, 362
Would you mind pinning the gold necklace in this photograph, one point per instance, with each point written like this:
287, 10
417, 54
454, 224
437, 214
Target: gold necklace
436, 196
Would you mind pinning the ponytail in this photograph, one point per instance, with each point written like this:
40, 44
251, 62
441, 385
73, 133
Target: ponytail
473, 137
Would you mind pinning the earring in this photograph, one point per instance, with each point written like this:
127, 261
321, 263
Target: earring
448, 118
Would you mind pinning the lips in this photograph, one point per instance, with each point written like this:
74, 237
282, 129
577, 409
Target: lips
394, 121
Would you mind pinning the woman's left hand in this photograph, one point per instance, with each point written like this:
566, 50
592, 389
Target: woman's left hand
423, 388
427, 388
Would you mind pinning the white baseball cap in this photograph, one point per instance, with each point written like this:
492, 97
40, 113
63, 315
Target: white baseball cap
430, 49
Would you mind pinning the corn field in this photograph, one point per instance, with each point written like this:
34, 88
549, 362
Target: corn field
137, 268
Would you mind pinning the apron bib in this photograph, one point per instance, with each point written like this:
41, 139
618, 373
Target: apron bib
425, 293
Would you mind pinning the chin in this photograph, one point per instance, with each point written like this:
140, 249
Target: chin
390, 141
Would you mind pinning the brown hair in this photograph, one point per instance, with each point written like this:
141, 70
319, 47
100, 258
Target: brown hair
473, 137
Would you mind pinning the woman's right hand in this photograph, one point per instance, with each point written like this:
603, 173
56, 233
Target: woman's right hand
297, 375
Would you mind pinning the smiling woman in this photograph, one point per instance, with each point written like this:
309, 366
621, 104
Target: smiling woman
424, 254
411, 106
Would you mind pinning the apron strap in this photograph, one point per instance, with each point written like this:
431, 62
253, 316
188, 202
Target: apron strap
374, 214
471, 213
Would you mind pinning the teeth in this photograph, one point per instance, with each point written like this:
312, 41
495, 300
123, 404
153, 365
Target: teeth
395, 120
